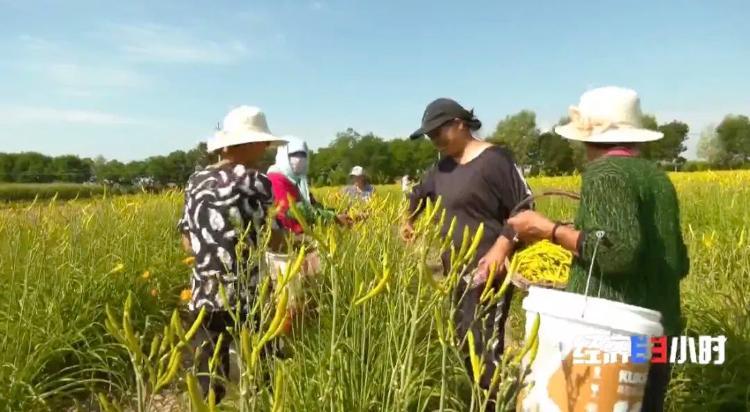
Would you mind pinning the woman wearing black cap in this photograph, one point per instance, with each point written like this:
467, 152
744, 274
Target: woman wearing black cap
478, 183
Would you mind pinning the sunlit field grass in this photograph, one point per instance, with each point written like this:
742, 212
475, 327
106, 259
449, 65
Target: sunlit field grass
62, 262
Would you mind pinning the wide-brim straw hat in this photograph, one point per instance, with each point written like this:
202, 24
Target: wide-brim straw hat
242, 125
607, 115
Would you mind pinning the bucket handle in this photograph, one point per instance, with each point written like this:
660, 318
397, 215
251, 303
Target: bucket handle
529, 200
599, 236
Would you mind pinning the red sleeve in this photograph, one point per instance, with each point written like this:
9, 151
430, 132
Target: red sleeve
282, 189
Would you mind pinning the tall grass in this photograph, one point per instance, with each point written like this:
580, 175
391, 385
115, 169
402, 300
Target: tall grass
63, 262
60, 264
14, 192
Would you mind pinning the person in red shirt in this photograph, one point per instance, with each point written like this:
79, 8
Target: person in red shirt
289, 182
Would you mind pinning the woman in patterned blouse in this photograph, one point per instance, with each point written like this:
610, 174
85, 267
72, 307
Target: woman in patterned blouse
226, 205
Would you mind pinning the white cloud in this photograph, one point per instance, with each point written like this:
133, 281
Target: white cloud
77, 76
76, 73
41, 114
164, 44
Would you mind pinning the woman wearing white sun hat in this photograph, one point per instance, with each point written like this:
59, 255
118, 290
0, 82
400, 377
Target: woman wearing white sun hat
226, 205
360, 187
641, 257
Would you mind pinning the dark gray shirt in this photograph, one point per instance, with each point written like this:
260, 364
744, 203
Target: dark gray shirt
486, 189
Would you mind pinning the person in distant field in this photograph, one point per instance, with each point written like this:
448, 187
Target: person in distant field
478, 183
289, 180
360, 188
628, 223
224, 202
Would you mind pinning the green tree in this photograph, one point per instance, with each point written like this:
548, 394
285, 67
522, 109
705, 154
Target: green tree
98, 166
157, 168
555, 155
134, 170
331, 165
113, 171
199, 156
69, 168
32, 167
668, 148
734, 134
178, 166
519, 134
648, 121
6, 167
710, 148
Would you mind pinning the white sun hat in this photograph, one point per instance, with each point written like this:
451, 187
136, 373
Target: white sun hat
357, 171
244, 124
607, 115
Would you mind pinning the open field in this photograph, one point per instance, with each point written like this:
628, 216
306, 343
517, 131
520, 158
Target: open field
62, 262
14, 192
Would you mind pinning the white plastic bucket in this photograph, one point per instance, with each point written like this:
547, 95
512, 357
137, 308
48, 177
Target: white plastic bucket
574, 326
277, 263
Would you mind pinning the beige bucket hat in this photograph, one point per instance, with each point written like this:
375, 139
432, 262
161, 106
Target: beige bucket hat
244, 124
607, 115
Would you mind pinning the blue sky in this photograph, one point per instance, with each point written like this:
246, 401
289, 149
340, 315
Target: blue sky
130, 79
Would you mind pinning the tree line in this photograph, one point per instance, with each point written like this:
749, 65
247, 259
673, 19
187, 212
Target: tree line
32, 167
538, 152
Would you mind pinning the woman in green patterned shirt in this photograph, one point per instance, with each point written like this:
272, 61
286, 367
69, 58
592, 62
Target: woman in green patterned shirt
641, 256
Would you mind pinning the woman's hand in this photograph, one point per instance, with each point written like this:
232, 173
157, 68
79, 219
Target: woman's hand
495, 257
531, 226
185, 240
407, 232
344, 220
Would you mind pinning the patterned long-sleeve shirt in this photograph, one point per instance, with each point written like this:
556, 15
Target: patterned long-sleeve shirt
642, 257
225, 207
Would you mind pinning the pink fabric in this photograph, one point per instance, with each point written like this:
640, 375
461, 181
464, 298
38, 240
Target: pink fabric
282, 189
622, 151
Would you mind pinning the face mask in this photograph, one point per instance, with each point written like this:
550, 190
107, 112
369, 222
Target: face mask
298, 165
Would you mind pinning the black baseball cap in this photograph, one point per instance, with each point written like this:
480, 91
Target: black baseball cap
441, 111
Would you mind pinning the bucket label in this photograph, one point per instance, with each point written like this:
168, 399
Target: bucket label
605, 349
580, 387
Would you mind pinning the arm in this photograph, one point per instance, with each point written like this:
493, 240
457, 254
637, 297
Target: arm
186, 243
532, 227
422, 191
326, 213
183, 226
567, 237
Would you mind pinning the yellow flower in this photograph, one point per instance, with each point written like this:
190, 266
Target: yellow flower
708, 241
185, 295
154, 292
146, 275
189, 260
119, 268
